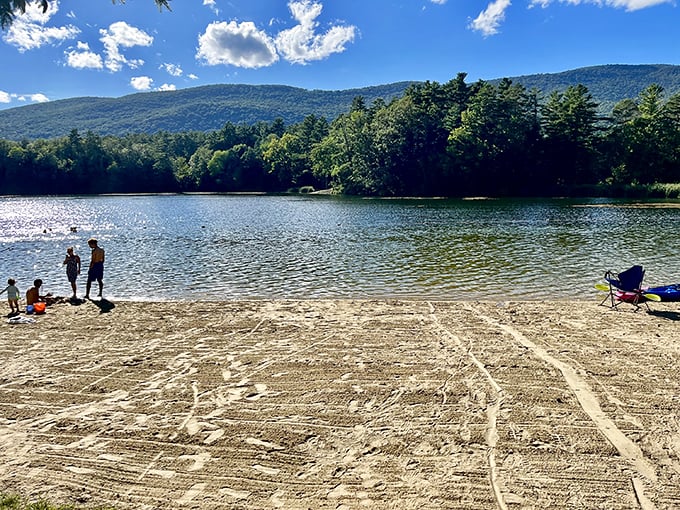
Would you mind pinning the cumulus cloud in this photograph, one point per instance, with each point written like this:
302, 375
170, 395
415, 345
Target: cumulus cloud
244, 45
31, 30
118, 35
141, 82
83, 58
167, 86
237, 44
6, 97
440, 2
302, 44
490, 18
628, 5
172, 69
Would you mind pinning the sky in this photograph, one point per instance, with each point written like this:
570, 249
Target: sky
100, 48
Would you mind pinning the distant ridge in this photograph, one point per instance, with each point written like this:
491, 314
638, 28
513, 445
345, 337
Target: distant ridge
608, 84
205, 108
210, 107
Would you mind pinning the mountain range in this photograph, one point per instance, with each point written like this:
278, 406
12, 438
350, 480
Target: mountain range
209, 107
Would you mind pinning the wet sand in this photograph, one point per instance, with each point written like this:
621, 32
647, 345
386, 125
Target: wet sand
343, 404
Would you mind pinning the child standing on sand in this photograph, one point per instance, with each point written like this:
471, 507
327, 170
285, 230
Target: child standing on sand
12, 295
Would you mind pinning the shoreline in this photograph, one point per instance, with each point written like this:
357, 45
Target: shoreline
378, 403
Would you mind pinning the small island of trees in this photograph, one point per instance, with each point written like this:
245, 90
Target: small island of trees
453, 139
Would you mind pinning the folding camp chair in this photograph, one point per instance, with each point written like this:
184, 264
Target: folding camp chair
626, 287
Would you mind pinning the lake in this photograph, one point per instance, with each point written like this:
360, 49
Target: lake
205, 247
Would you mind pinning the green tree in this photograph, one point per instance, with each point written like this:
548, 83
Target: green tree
288, 156
410, 139
643, 146
345, 158
492, 146
569, 122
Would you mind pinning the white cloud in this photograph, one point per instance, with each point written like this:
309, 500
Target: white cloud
118, 35
141, 83
83, 58
212, 4
192, 76
629, 5
30, 31
39, 98
490, 18
440, 2
5, 97
172, 69
243, 45
167, 86
301, 44
237, 44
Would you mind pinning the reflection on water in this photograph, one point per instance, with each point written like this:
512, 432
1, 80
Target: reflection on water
202, 247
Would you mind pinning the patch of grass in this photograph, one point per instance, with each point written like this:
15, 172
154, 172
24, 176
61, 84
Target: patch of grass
16, 502
665, 190
634, 190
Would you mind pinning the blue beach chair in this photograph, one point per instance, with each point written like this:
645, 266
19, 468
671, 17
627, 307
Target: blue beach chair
626, 287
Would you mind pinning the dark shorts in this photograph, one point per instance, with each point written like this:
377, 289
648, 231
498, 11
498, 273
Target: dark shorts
96, 272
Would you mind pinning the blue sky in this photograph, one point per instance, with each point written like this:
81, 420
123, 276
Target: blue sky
98, 48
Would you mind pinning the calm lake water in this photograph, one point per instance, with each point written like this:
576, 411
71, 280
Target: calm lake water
202, 247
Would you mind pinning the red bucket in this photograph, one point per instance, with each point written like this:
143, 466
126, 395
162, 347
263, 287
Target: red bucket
39, 307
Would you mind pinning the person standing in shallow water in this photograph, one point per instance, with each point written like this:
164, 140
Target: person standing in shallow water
72, 263
96, 271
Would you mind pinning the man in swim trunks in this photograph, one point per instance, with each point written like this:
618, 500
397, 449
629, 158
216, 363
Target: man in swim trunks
96, 271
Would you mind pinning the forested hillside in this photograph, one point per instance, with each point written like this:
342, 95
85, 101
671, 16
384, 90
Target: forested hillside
195, 109
452, 139
608, 84
211, 107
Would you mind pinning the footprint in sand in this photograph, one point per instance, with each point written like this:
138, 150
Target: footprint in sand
264, 444
189, 495
233, 493
266, 470
79, 470
260, 391
214, 436
199, 460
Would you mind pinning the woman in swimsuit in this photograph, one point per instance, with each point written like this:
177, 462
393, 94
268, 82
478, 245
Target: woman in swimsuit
72, 263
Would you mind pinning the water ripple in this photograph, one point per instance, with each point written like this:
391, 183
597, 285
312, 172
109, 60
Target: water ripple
230, 247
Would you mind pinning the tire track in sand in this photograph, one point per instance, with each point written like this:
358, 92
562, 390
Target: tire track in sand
492, 410
591, 406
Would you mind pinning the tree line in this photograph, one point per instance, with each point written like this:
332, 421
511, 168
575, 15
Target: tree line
452, 139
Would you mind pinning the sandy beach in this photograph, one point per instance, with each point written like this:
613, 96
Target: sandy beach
343, 404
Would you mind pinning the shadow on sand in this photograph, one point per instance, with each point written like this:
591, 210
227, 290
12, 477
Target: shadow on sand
104, 305
666, 314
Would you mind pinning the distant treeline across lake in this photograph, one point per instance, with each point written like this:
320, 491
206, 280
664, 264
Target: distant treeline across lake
451, 140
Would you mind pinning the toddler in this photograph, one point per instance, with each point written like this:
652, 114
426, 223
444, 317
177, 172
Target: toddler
12, 295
